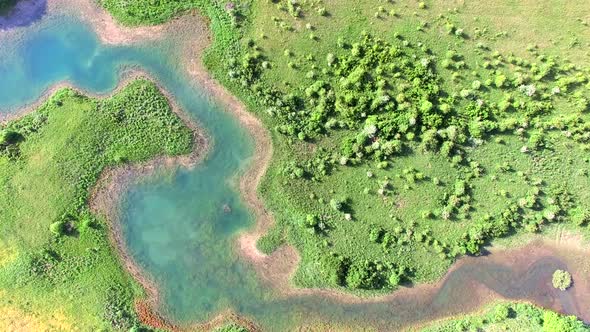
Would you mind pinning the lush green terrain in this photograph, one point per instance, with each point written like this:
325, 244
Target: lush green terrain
231, 328
415, 141
58, 270
409, 133
511, 317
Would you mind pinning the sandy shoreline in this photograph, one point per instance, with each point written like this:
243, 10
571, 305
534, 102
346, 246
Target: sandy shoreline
276, 269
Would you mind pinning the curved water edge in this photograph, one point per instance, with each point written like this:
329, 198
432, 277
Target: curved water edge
177, 228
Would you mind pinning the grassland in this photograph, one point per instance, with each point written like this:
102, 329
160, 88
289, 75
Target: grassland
511, 317
58, 269
406, 134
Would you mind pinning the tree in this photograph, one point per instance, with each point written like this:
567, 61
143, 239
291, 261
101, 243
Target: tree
394, 279
501, 313
337, 204
330, 58
354, 278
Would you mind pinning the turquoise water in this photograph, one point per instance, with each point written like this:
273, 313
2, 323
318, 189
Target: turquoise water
175, 225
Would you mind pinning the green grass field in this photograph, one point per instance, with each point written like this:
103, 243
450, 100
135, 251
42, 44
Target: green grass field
406, 133
484, 146
58, 270
510, 317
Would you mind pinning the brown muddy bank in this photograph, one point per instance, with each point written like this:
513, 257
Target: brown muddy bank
522, 274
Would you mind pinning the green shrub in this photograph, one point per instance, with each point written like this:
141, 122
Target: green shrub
8, 136
562, 279
58, 227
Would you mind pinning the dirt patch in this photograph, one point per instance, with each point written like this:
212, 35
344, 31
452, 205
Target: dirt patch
151, 318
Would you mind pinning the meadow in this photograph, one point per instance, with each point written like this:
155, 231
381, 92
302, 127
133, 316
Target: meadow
58, 267
510, 317
406, 134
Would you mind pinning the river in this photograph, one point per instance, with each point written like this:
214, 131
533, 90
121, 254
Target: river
179, 230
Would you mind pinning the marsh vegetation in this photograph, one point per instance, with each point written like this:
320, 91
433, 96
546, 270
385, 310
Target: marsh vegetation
511, 317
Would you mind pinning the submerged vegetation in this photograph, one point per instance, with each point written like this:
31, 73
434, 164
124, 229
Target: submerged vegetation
512, 317
56, 254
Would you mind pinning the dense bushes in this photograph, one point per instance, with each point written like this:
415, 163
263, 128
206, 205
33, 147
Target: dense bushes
373, 275
384, 94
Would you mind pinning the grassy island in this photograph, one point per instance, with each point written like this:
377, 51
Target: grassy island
58, 269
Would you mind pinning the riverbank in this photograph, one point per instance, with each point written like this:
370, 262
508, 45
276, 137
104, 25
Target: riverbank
112, 182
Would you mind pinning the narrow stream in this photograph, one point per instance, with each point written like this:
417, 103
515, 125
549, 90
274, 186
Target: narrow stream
177, 229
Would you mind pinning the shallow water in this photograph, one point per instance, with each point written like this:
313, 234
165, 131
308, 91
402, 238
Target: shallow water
175, 225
